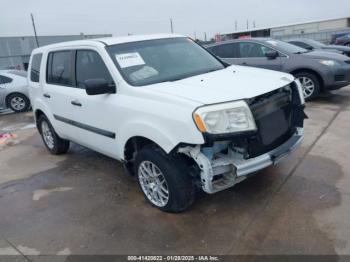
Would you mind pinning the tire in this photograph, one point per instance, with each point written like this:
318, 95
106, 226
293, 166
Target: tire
310, 84
171, 169
18, 102
52, 141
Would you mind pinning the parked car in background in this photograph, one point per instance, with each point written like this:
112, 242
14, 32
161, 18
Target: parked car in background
343, 40
14, 92
316, 70
177, 117
311, 45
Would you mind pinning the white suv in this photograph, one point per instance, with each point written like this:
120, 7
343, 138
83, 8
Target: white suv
176, 116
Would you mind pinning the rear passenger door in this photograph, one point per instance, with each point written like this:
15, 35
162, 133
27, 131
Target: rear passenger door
254, 54
57, 92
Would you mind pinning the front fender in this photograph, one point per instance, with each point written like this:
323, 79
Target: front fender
164, 137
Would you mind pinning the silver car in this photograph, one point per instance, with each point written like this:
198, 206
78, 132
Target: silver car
14, 90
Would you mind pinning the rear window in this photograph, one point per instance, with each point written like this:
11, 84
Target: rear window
60, 68
35, 68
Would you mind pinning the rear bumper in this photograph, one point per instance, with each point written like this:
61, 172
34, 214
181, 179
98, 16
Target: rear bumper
226, 170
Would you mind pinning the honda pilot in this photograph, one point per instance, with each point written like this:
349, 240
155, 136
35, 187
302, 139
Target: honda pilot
176, 116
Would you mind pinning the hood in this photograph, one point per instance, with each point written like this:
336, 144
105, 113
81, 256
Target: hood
325, 55
338, 47
229, 84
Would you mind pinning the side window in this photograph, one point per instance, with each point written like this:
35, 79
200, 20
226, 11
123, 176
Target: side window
89, 65
35, 68
5, 80
60, 68
224, 51
249, 49
300, 44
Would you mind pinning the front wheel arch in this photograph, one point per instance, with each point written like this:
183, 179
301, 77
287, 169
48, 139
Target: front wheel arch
310, 71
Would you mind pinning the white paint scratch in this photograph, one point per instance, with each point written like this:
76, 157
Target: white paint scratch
37, 194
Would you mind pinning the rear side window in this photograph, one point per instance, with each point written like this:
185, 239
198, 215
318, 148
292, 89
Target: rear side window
60, 68
5, 80
35, 69
224, 51
89, 65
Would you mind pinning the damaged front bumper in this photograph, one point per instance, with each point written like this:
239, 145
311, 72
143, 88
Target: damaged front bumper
225, 170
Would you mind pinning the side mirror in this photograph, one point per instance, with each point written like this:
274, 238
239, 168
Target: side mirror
272, 54
98, 86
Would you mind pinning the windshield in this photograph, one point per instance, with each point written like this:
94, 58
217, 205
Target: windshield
161, 60
286, 47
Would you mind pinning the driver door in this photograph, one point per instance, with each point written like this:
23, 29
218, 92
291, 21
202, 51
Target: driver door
96, 116
254, 54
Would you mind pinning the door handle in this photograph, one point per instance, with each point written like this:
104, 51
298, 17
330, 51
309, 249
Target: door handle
244, 63
46, 95
76, 103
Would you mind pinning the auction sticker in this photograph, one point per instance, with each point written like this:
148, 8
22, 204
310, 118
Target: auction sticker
129, 59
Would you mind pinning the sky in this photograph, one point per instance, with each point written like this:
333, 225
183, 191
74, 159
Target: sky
190, 17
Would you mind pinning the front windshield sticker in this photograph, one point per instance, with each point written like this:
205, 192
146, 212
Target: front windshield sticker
274, 43
129, 59
143, 73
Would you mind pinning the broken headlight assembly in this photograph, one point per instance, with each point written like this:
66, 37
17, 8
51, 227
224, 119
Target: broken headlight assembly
224, 118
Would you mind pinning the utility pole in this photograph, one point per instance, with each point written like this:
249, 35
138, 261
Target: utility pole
254, 24
236, 25
36, 37
171, 26
247, 24
205, 36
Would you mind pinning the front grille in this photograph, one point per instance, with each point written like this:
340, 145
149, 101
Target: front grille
274, 116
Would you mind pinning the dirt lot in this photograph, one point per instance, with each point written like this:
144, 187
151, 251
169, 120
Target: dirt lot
84, 203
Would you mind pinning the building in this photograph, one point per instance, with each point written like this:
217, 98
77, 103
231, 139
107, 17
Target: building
317, 30
15, 51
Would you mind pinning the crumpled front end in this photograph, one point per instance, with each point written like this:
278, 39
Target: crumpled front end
225, 160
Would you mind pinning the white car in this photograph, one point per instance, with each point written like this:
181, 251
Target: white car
14, 93
175, 115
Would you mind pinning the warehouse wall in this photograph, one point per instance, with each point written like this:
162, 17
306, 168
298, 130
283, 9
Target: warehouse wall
15, 51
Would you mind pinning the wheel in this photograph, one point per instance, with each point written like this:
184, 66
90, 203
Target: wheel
52, 141
310, 85
18, 102
164, 180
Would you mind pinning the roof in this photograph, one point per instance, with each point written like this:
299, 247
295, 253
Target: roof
110, 40
285, 25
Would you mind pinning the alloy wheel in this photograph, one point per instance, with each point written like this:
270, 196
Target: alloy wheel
47, 135
308, 86
153, 183
18, 103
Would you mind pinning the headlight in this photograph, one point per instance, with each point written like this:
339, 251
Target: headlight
224, 118
300, 91
328, 62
